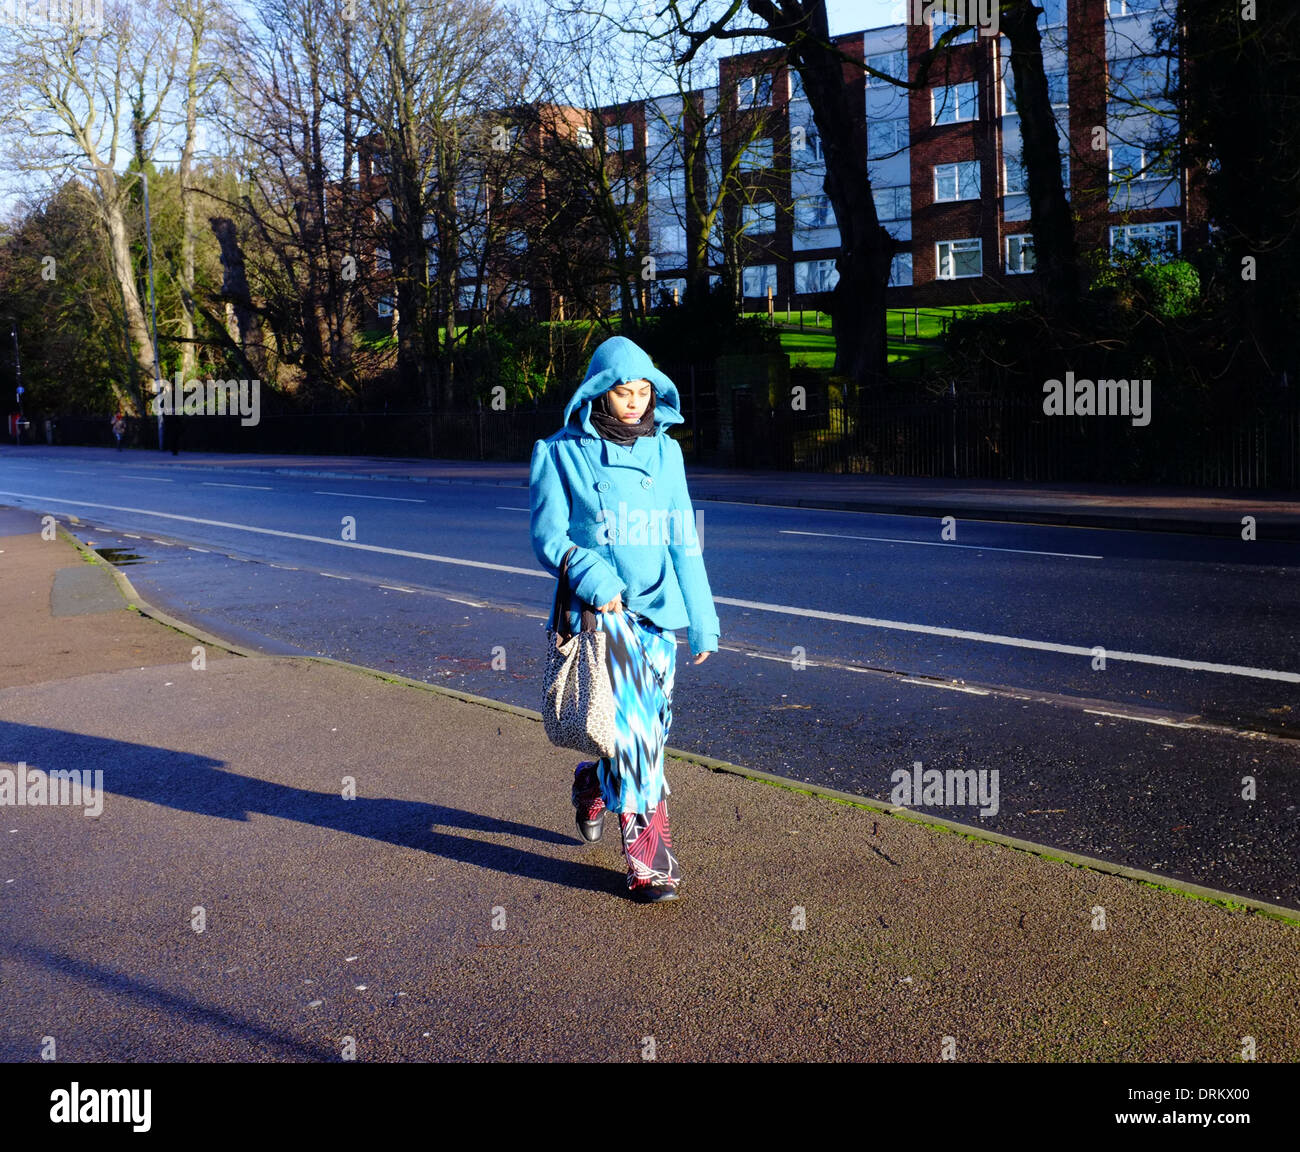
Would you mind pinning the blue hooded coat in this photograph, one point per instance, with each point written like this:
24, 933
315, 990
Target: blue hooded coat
625, 507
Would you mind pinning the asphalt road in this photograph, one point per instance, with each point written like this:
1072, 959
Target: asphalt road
853, 646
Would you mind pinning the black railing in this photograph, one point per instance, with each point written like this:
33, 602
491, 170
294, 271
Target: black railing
964, 437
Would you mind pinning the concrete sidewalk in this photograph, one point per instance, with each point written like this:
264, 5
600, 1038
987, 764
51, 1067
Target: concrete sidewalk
1202, 511
450, 911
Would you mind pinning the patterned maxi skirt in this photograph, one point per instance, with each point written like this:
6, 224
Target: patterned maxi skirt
642, 663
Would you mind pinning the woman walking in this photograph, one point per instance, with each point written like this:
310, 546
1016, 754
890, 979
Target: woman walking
611, 485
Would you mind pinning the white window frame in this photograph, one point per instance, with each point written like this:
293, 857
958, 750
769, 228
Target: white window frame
749, 87
968, 244
1025, 246
949, 97
961, 171
584, 137
898, 132
1165, 226
891, 64
900, 192
623, 136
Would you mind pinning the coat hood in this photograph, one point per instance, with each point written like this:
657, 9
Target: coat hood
617, 361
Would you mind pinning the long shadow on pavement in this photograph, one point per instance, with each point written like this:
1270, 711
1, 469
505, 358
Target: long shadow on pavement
199, 784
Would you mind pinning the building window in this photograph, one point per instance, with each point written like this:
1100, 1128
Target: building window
893, 203
757, 155
384, 307
1020, 253
622, 137
900, 270
891, 64
813, 212
672, 239
1130, 7
583, 138
757, 278
1053, 13
383, 263
1058, 88
515, 189
886, 137
1138, 162
815, 276
1155, 241
955, 103
1016, 180
958, 259
756, 218
957, 181
516, 242
796, 84
669, 292
518, 295
1139, 79
940, 21
468, 296
668, 184
806, 142
754, 91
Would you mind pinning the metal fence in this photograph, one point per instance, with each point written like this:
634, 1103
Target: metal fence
963, 437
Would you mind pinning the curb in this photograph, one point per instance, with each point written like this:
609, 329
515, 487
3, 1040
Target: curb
1227, 529
971, 832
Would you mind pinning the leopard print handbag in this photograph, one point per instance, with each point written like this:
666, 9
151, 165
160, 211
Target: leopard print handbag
577, 695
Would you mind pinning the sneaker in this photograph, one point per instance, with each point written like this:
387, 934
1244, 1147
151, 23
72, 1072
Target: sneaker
588, 804
654, 893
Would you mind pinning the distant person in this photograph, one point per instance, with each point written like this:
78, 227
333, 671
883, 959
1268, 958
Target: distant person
614, 454
119, 428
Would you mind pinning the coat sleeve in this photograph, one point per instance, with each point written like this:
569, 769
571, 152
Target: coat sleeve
686, 550
593, 578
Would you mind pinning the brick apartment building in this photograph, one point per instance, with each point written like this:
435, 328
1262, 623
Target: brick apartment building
943, 163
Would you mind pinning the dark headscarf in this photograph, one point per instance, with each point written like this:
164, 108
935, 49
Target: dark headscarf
612, 428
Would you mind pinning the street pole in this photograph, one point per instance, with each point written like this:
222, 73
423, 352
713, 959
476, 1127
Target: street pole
153, 303
18, 380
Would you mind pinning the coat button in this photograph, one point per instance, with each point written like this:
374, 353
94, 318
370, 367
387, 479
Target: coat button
646, 482
603, 486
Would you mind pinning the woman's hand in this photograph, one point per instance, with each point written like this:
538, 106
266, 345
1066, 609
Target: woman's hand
615, 605
703, 656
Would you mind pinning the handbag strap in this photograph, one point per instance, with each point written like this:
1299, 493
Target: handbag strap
563, 594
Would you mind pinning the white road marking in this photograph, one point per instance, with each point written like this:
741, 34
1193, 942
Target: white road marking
941, 544
506, 508
254, 487
756, 605
1014, 641
76, 472
193, 549
471, 603
937, 684
155, 479
394, 588
358, 496
1161, 720
333, 577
